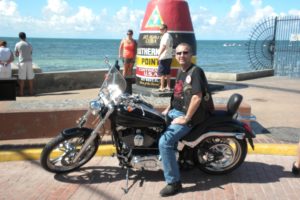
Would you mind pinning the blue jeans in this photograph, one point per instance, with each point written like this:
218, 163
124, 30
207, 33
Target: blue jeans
168, 147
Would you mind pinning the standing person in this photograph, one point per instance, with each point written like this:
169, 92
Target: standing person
185, 110
23, 50
165, 58
6, 57
296, 164
127, 52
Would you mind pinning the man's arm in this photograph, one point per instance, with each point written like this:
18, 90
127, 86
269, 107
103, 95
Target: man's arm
194, 104
165, 112
161, 50
16, 51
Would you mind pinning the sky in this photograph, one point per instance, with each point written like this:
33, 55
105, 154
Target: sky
110, 19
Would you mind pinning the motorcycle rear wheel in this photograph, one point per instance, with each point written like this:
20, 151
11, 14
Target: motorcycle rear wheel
218, 156
58, 154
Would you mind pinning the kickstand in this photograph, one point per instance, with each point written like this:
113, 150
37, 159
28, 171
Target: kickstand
127, 177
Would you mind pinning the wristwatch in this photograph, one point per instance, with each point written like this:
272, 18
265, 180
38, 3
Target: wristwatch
187, 119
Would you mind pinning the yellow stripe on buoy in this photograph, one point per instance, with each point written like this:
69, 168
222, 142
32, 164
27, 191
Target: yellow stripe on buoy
152, 62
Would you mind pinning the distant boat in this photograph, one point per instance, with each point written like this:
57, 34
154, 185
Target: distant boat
231, 44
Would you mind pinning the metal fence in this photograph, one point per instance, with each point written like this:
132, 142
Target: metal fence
275, 43
287, 47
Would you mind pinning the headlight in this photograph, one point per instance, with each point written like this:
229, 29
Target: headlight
96, 106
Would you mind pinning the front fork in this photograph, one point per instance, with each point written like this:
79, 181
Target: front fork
93, 135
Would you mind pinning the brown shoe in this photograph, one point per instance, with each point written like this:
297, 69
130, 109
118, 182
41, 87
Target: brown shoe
171, 189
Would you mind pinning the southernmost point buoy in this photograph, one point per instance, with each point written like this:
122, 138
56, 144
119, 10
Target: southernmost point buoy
176, 15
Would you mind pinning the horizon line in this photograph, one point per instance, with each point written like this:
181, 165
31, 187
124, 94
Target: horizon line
111, 38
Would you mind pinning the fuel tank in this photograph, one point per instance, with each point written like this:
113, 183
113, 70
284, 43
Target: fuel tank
139, 116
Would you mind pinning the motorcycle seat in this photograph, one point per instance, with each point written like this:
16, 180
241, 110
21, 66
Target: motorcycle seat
217, 117
234, 103
232, 106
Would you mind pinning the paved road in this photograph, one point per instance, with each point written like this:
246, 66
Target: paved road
260, 177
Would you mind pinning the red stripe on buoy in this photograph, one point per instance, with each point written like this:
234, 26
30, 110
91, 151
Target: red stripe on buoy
174, 13
151, 72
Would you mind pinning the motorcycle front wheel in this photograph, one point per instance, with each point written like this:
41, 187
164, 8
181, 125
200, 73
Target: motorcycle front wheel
58, 155
216, 155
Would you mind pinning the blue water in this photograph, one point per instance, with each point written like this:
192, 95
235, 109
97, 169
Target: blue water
76, 54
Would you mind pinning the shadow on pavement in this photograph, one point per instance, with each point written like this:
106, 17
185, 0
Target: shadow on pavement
259, 128
248, 172
56, 94
284, 134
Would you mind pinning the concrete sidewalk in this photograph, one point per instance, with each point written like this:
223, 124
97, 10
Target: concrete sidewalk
274, 102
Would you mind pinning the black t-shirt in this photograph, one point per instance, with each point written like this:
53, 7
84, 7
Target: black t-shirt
180, 101
187, 84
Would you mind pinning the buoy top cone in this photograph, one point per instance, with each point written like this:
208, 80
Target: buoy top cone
176, 15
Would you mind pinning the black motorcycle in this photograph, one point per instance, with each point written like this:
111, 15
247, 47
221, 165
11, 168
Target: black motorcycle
217, 146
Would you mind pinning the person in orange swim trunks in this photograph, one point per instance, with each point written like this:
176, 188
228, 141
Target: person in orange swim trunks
127, 52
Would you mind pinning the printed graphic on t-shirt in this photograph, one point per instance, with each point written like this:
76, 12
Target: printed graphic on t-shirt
188, 79
178, 89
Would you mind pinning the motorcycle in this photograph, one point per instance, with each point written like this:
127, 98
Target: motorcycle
217, 146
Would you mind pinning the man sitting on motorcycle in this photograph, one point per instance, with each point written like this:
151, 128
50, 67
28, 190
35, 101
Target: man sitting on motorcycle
187, 108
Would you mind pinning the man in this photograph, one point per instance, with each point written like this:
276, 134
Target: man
23, 50
165, 58
185, 111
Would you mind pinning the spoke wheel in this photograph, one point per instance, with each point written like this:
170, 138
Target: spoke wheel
58, 154
220, 155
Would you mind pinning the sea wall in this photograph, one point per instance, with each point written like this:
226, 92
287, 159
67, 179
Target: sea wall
37, 119
68, 80
84, 79
216, 76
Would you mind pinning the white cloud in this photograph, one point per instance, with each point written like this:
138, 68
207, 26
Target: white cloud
125, 19
8, 8
84, 20
203, 17
59, 19
236, 9
294, 12
256, 3
262, 13
213, 20
237, 23
56, 7
62, 20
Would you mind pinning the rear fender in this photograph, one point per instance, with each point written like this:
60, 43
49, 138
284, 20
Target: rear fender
229, 128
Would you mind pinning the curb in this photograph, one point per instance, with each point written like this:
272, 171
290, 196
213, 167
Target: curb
109, 150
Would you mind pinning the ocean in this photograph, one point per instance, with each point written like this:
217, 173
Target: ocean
80, 54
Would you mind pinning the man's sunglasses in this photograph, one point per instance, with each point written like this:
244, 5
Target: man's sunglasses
182, 53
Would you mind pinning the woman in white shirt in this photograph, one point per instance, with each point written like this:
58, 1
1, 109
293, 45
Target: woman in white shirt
6, 57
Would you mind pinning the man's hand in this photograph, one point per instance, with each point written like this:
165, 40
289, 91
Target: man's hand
180, 120
165, 112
